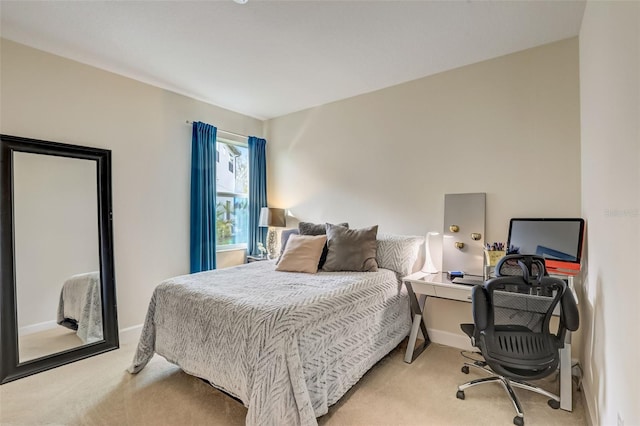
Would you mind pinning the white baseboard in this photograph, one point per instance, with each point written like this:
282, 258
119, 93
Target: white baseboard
588, 400
36, 328
446, 338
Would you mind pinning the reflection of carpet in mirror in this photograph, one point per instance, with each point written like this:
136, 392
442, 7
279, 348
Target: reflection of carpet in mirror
47, 342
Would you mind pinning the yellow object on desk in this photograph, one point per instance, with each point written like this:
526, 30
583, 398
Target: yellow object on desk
493, 256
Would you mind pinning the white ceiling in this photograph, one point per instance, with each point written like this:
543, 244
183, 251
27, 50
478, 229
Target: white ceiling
269, 58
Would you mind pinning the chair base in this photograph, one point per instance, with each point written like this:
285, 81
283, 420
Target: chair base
508, 385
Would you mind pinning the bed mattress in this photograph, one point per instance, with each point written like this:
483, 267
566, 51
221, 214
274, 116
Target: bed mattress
80, 306
288, 345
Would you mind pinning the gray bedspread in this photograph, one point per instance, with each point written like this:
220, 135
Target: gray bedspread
81, 303
288, 345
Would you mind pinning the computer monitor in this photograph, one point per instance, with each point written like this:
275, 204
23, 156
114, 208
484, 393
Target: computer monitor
558, 240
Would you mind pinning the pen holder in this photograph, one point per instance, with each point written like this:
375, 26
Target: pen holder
493, 256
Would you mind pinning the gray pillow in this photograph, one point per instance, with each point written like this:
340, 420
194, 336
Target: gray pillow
308, 228
351, 249
284, 237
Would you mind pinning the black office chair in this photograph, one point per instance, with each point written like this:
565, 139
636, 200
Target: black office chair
511, 315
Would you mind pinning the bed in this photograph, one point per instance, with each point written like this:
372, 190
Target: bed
80, 307
288, 345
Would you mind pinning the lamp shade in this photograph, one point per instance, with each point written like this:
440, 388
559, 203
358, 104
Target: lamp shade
272, 217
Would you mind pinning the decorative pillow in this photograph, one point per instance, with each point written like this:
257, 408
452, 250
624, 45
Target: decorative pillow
302, 253
351, 249
398, 252
308, 228
284, 237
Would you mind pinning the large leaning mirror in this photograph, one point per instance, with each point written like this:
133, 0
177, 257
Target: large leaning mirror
56, 247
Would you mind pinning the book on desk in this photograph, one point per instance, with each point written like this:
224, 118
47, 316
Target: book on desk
472, 281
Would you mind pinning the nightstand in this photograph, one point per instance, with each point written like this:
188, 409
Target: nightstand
255, 259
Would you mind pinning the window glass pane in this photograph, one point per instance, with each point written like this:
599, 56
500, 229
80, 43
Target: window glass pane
232, 220
232, 204
235, 177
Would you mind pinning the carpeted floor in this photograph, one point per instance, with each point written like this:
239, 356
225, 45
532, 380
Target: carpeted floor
98, 391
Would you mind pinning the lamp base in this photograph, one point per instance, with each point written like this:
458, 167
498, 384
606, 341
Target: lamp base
429, 266
430, 270
272, 251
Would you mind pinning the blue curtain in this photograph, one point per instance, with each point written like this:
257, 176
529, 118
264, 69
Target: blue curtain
203, 197
257, 192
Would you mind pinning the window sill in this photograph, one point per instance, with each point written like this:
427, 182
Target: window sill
238, 247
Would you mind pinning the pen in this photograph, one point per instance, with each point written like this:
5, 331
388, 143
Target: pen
495, 246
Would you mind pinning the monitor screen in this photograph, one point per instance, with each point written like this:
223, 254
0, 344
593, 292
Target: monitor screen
559, 241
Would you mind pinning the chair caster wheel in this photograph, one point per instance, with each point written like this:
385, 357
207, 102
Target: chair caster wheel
518, 421
553, 404
465, 369
460, 394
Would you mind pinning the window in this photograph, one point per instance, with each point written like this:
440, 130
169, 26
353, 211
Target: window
232, 191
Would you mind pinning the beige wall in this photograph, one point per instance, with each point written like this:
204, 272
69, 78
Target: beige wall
227, 258
610, 117
508, 127
48, 97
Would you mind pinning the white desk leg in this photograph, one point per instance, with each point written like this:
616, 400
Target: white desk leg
408, 356
566, 402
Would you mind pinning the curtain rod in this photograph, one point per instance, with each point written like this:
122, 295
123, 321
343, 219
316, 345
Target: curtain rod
224, 131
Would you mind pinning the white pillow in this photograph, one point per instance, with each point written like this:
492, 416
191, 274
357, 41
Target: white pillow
398, 252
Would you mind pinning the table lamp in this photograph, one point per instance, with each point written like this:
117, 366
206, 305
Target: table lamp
272, 218
429, 265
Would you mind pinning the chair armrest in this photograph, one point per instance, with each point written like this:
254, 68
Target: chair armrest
569, 311
480, 308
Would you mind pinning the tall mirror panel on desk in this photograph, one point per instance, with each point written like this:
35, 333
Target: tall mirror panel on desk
463, 237
58, 289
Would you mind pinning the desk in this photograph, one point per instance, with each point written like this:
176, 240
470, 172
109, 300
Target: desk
421, 285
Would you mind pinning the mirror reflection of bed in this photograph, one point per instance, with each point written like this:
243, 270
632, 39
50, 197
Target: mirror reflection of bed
56, 254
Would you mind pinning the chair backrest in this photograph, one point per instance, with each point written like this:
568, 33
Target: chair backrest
513, 324
521, 305
521, 265
531, 267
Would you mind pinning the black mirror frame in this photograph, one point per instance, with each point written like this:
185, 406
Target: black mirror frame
10, 367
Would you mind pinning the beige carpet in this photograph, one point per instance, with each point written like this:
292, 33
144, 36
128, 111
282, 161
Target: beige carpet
98, 391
